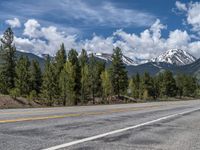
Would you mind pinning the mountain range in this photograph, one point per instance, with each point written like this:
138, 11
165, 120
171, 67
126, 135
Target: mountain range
175, 60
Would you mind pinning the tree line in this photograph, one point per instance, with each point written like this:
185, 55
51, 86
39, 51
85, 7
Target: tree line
163, 85
70, 79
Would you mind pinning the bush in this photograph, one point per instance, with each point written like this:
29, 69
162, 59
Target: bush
14, 93
32, 95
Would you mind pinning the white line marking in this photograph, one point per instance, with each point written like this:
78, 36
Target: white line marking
117, 131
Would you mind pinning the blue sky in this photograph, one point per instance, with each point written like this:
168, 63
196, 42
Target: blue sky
142, 28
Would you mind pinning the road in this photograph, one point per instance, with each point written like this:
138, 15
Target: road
145, 126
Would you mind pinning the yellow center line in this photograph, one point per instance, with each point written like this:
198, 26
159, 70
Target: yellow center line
77, 114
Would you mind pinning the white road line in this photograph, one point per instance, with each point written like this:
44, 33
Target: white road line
117, 131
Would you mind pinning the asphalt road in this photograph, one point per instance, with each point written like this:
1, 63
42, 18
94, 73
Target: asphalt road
146, 126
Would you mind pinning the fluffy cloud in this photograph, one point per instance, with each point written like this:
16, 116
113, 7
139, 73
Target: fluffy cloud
192, 13
43, 40
32, 28
146, 45
14, 23
181, 6
193, 16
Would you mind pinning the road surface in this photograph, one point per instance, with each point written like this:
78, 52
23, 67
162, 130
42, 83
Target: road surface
145, 126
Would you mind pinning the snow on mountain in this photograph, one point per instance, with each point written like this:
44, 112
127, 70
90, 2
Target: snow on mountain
175, 56
108, 57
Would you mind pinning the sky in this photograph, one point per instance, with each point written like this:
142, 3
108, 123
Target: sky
141, 28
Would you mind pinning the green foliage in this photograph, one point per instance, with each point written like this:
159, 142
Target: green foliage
95, 70
60, 60
36, 77
168, 85
7, 52
83, 60
119, 76
33, 95
14, 93
106, 84
73, 59
187, 85
22, 81
147, 87
70, 83
49, 82
134, 86
84, 83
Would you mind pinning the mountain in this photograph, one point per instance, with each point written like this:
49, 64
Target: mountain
32, 57
108, 58
176, 57
134, 67
153, 68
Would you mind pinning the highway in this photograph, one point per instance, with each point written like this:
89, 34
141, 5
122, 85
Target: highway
141, 126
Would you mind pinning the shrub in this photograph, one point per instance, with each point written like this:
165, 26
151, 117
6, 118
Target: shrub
14, 93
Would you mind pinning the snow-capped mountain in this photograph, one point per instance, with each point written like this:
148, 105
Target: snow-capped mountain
176, 57
108, 57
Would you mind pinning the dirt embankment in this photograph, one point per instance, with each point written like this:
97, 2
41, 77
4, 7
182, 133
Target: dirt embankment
8, 102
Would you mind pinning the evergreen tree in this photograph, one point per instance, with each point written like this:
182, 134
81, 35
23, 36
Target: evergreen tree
7, 52
22, 81
187, 85
84, 83
73, 59
93, 76
134, 86
95, 70
119, 76
179, 84
60, 60
168, 85
83, 59
36, 77
49, 82
67, 84
147, 87
156, 86
106, 84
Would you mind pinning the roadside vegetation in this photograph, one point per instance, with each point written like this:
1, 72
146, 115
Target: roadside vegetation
69, 79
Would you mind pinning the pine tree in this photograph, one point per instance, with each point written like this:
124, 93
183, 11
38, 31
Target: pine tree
73, 59
168, 87
179, 84
147, 87
84, 83
119, 76
83, 59
95, 70
67, 84
134, 86
49, 82
36, 77
7, 51
188, 85
93, 77
22, 81
106, 84
60, 60
63, 86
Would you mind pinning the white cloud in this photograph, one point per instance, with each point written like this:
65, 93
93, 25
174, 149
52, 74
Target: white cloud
148, 44
43, 40
181, 6
32, 28
192, 13
99, 44
14, 23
